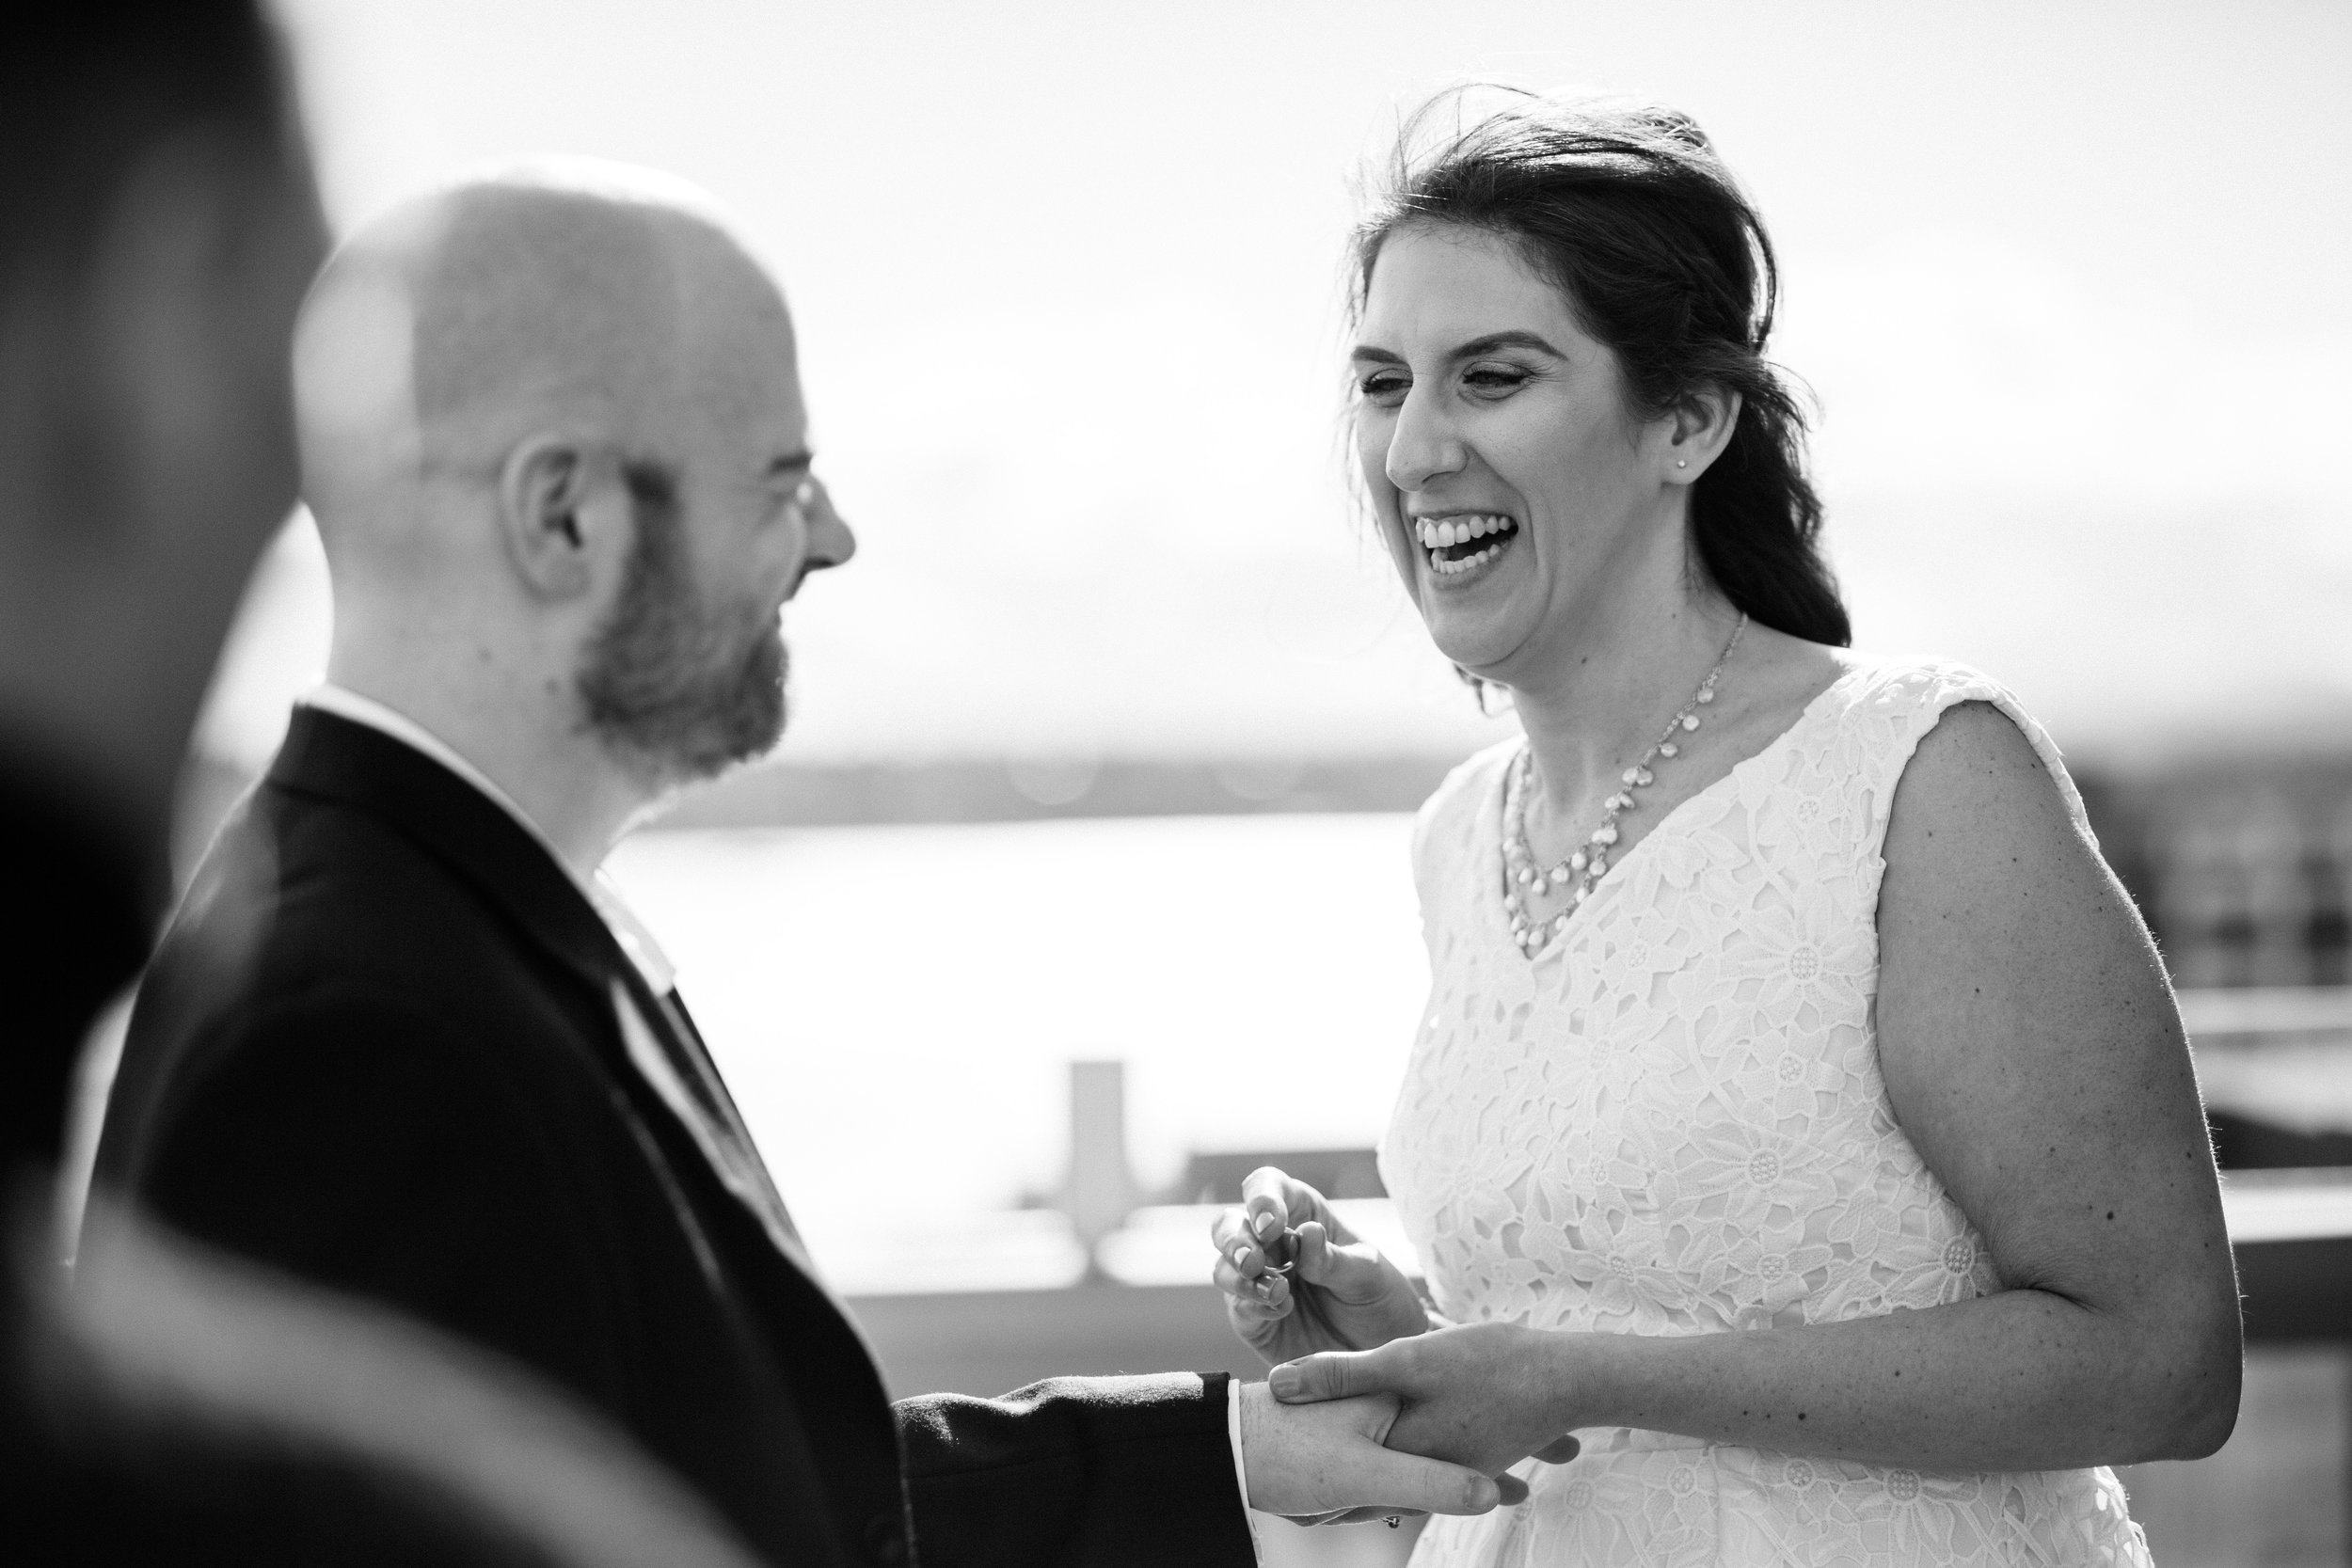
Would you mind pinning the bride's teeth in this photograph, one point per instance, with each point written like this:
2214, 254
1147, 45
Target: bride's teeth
1440, 536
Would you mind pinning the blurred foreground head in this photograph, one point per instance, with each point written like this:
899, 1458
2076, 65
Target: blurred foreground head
553, 436
161, 226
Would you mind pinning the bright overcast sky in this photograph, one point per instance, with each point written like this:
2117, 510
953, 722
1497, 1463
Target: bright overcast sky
2068, 279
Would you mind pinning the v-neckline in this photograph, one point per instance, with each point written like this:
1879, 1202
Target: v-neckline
1578, 915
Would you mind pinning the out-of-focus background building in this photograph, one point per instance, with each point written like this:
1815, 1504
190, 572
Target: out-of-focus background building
1103, 749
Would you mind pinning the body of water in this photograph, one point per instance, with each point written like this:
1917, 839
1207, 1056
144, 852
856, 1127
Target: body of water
896, 1007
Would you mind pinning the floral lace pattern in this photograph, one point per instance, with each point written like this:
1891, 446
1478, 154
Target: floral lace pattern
1672, 1121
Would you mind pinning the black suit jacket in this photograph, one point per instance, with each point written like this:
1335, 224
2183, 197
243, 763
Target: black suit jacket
381, 1047
175, 1409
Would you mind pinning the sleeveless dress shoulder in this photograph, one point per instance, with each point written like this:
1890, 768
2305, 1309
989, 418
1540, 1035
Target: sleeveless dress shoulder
1672, 1121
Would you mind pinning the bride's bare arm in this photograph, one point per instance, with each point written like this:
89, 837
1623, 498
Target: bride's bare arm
2034, 1056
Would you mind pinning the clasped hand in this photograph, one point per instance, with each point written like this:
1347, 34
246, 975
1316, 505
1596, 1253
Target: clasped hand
1473, 1403
1483, 1395
1327, 1462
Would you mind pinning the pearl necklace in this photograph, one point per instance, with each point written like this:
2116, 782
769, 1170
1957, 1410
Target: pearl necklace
1523, 880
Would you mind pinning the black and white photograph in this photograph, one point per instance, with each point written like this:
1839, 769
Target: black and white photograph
1052, 785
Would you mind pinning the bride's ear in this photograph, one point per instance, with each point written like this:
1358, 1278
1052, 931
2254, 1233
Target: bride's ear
1697, 432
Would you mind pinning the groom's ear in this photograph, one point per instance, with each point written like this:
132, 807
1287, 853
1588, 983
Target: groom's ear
563, 516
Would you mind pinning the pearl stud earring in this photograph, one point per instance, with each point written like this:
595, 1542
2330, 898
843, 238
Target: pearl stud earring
1682, 462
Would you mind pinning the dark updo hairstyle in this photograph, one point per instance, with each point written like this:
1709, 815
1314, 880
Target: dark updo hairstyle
1626, 208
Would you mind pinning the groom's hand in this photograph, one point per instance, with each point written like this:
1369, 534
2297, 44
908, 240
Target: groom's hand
1312, 1461
1481, 1395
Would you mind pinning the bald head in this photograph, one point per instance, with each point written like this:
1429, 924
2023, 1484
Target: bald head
610, 308
539, 305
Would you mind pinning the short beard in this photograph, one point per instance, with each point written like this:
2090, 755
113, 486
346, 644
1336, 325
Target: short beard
667, 683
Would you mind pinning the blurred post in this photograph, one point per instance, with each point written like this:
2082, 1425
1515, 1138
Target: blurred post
2332, 925
1099, 1191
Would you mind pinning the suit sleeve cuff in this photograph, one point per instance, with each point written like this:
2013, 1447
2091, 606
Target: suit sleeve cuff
1241, 1468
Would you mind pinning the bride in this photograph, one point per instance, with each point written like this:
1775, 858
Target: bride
1800, 1117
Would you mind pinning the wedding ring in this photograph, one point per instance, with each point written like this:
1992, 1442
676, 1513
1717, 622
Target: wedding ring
1281, 1252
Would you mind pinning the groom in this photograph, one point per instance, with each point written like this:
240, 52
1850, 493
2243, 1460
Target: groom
402, 1040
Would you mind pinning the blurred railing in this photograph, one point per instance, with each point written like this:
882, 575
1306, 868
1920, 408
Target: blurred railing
1106, 1283
2276, 1067
2219, 1017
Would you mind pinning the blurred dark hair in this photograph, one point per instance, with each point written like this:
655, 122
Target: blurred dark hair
88, 86
1626, 209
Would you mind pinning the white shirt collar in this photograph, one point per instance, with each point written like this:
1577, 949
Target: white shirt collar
631, 932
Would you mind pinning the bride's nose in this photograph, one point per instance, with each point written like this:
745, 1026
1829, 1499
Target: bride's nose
1423, 443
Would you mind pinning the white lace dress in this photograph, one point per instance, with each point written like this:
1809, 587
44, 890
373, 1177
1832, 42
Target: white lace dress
1672, 1121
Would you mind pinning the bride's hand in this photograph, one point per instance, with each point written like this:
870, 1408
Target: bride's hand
1341, 1294
1484, 1395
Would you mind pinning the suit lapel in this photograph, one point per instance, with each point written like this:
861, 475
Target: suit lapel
683, 1080
704, 1073
662, 1040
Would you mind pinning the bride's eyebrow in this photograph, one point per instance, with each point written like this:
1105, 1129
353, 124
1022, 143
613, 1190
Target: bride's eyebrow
1366, 354
1516, 338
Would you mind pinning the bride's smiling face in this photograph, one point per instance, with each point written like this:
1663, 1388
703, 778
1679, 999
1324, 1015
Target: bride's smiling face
1513, 486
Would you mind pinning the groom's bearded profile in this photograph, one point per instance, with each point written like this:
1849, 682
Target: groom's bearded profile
688, 686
